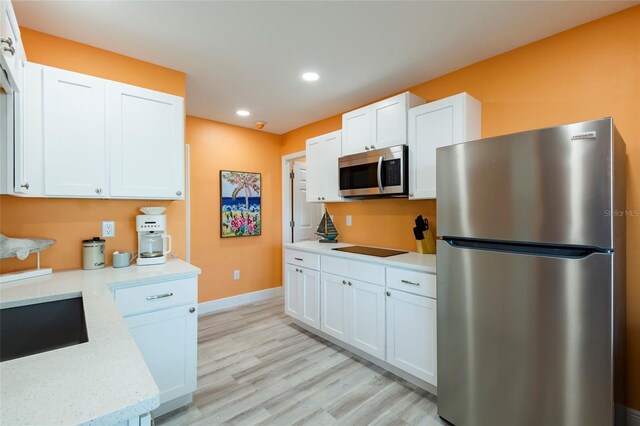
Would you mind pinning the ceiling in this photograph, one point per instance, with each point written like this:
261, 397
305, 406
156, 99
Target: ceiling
251, 54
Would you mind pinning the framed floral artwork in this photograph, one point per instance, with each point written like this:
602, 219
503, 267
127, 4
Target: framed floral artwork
240, 204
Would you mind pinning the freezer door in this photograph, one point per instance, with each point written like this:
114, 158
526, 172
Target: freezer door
551, 186
523, 339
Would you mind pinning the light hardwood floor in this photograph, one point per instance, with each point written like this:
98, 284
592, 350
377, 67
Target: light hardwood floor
255, 367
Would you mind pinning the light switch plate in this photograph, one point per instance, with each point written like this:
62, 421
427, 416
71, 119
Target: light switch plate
348, 220
108, 229
236, 274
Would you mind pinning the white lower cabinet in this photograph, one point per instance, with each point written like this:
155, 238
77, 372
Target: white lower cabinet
163, 320
411, 334
302, 294
386, 312
353, 311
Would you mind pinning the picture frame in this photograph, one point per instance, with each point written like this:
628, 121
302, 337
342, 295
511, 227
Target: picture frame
240, 204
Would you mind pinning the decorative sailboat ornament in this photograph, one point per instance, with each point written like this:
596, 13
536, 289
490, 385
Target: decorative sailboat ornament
326, 229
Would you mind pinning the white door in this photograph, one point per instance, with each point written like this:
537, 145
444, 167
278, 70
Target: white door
334, 297
292, 292
167, 340
411, 334
146, 139
356, 131
74, 134
367, 324
310, 287
306, 215
390, 122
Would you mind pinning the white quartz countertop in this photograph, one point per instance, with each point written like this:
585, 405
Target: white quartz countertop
412, 260
102, 381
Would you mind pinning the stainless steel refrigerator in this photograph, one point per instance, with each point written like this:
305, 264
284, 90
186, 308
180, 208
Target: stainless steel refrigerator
531, 278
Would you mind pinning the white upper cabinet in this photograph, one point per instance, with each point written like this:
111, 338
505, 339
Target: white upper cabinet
322, 167
379, 125
440, 123
74, 135
12, 53
146, 142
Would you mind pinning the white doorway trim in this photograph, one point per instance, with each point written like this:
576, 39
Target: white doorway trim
286, 194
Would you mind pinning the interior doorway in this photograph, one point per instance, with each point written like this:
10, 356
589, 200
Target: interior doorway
300, 218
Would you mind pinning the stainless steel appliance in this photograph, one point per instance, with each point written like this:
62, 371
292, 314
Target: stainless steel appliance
153, 242
376, 173
370, 251
531, 278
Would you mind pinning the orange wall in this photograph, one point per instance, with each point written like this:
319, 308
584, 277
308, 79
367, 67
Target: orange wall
538, 85
71, 220
215, 147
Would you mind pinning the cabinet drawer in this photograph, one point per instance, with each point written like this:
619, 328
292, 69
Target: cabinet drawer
153, 297
301, 258
368, 272
335, 265
415, 282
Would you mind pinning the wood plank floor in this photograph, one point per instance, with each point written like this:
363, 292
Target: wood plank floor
255, 367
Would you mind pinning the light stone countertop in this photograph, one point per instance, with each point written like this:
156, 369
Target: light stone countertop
102, 381
410, 260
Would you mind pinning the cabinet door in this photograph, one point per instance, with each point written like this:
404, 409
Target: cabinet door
11, 49
431, 126
167, 340
315, 165
74, 135
356, 131
292, 292
411, 334
367, 324
389, 122
309, 285
334, 297
146, 139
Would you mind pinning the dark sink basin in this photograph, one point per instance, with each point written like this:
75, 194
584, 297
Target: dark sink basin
41, 327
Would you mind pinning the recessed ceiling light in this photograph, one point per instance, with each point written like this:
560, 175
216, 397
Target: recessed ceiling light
242, 112
310, 76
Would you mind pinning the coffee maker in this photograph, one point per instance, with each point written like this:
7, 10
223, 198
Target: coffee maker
153, 241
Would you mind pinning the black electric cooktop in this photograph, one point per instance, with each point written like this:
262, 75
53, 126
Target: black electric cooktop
370, 251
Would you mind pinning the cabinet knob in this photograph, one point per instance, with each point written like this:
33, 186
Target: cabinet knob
410, 195
344, 282
323, 198
319, 198
25, 186
367, 148
388, 294
372, 147
178, 193
350, 283
98, 190
8, 41
192, 310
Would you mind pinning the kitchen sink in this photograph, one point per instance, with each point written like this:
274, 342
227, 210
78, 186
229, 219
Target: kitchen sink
41, 327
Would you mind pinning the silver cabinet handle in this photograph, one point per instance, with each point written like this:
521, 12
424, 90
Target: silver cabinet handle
10, 49
380, 186
192, 310
178, 193
298, 258
409, 282
349, 283
25, 186
8, 41
344, 282
373, 147
367, 148
98, 190
159, 296
388, 294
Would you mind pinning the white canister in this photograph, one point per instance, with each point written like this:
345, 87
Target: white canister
93, 253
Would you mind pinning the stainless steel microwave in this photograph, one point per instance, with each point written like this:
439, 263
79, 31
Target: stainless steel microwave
376, 173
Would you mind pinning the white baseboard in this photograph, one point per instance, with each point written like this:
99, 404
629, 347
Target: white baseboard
239, 300
633, 417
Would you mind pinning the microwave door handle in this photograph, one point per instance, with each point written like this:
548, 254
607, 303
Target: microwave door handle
380, 187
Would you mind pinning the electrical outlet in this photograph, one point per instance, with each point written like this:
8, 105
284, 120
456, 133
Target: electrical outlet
108, 229
348, 220
236, 274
